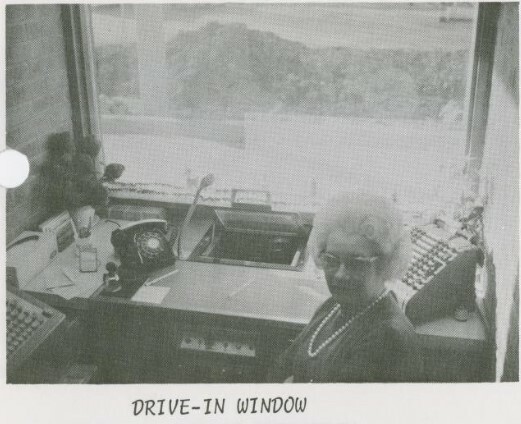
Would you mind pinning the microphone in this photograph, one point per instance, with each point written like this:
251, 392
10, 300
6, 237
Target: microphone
205, 182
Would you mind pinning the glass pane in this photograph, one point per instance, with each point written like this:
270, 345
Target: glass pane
298, 99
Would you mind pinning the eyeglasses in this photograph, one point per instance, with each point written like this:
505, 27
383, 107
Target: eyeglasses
358, 264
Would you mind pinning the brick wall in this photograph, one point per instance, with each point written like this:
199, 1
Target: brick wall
37, 101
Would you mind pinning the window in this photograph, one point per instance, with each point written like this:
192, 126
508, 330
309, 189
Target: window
298, 99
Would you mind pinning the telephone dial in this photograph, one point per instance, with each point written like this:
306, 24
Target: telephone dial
143, 246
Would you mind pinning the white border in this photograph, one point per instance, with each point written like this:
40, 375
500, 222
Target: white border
329, 403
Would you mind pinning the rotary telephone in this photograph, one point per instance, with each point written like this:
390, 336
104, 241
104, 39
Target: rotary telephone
143, 246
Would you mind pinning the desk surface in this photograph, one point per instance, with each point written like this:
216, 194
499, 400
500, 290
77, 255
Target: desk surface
261, 293
275, 295
279, 295
56, 278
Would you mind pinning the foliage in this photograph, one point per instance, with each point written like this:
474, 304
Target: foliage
230, 69
69, 173
117, 70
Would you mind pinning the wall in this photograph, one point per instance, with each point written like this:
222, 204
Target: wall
37, 100
500, 178
511, 365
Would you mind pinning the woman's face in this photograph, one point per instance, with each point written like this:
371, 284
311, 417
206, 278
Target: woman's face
350, 267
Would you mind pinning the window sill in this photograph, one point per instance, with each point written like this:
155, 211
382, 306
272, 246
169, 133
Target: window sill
165, 193
414, 213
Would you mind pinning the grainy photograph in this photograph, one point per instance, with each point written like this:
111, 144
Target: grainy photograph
262, 193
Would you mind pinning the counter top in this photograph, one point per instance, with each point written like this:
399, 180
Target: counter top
278, 295
259, 293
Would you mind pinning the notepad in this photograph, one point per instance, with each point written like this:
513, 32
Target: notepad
151, 294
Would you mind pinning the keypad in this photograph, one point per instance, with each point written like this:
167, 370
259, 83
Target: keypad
429, 256
21, 323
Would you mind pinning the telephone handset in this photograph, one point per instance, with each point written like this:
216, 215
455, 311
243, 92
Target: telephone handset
143, 245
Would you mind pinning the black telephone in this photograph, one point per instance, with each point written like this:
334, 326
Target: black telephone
143, 245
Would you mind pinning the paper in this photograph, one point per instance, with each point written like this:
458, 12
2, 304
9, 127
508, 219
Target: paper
151, 294
69, 283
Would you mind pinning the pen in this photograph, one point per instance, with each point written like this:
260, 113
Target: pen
68, 276
155, 280
241, 288
58, 287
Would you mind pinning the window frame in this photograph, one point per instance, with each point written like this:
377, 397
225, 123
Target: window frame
484, 39
81, 73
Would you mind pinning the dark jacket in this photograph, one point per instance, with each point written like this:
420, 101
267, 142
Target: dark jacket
380, 346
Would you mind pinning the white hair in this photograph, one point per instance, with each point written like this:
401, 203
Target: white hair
373, 217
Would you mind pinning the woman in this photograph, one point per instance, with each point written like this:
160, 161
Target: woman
359, 334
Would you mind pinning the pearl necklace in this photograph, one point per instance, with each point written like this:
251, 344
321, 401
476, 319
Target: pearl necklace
333, 336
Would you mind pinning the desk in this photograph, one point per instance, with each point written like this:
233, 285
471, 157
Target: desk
457, 351
67, 262
222, 323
